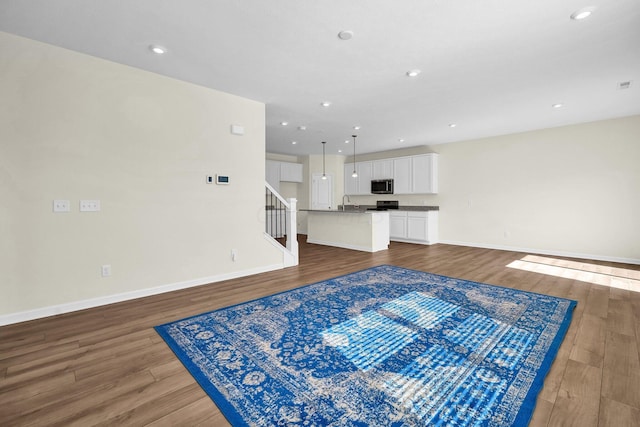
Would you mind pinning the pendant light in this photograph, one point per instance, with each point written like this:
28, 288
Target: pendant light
324, 175
354, 174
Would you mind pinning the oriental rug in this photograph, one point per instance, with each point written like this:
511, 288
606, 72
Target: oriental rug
386, 346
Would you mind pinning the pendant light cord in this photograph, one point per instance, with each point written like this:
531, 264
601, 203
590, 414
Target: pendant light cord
355, 174
324, 176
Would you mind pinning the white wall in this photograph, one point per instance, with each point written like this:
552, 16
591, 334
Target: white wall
76, 127
572, 190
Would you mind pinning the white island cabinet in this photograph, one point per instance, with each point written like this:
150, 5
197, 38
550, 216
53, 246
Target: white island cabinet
359, 230
414, 226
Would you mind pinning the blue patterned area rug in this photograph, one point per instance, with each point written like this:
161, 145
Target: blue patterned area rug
385, 346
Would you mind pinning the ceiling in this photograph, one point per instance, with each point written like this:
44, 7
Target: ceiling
490, 67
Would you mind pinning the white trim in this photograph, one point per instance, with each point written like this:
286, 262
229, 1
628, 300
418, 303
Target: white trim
546, 252
417, 242
23, 316
288, 258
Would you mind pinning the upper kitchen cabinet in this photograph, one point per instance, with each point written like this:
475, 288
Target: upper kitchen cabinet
272, 174
416, 174
383, 169
424, 174
290, 172
365, 175
350, 183
276, 172
361, 184
411, 175
402, 175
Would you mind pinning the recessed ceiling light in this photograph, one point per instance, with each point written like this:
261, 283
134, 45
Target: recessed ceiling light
284, 123
325, 104
294, 142
345, 35
339, 151
302, 128
346, 141
401, 140
356, 127
158, 50
413, 73
557, 105
452, 125
583, 13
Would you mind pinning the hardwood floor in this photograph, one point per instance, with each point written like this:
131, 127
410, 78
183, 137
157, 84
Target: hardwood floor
107, 366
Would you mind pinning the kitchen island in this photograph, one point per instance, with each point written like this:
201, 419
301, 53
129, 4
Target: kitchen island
351, 229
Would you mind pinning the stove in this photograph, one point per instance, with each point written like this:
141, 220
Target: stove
385, 205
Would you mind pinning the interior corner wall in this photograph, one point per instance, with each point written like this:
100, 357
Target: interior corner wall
75, 127
571, 190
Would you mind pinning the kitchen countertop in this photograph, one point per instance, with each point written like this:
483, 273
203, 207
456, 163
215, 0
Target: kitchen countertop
372, 208
347, 211
363, 208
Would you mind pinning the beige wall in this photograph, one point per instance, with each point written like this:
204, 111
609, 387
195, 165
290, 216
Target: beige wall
571, 190
574, 189
76, 127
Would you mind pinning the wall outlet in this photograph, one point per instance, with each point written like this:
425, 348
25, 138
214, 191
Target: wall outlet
61, 206
234, 255
89, 205
106, 270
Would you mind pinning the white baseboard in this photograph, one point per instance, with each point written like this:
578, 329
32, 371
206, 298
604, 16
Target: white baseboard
23, 316
343, 245
545, 252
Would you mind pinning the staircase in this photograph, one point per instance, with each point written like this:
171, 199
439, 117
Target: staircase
280, 224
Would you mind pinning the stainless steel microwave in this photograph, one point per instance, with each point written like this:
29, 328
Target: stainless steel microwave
382, 186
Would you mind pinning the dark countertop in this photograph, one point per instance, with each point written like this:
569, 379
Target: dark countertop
361, 208
372, 208
347, 211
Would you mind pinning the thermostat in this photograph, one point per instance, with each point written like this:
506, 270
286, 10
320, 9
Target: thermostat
222, 179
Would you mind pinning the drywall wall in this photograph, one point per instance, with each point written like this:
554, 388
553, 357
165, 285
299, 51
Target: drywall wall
570, 190
76, 127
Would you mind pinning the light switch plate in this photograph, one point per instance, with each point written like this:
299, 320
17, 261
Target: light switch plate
89, 205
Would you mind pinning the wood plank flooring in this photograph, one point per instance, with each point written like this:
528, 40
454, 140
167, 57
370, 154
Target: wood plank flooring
107, 366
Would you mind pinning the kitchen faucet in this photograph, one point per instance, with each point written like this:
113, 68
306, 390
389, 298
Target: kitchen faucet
348, 199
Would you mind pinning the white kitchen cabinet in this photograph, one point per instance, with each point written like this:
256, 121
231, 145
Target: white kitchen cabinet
383, 169
397, 225
272, 174
417, 225
361, 185
414, 226
290, 172
276, 172
424, 174
402, 175
350, 183
365, 175
411, 175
